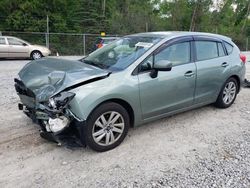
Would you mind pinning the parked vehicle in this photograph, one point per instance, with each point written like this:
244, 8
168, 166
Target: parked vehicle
103, 41
135, 80
12, 47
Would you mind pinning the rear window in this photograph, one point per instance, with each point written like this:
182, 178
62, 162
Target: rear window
2, 41
107, 41
229, 48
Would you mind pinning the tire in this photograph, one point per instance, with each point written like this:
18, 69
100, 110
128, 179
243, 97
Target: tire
36, 55
230, 88
103, 134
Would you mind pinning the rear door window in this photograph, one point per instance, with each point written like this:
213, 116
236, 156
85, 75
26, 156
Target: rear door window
206, 50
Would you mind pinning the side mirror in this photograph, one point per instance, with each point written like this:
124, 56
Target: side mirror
162, 65
24, 44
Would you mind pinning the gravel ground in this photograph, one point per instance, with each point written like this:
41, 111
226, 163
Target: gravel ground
206, 147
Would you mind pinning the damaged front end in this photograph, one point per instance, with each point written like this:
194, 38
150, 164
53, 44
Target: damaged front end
44, 87
58, 123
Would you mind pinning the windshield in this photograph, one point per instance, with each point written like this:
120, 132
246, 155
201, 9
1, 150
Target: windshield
121, 53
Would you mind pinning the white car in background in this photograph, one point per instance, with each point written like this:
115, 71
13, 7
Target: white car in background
12, 47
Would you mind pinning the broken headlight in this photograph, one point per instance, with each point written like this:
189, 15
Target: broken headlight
60, 100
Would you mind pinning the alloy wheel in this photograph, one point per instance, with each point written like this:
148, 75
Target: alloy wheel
108, 128
229, 92
36, 55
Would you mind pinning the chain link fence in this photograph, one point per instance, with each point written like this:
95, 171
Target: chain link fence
243, 44
82, 44
61, 43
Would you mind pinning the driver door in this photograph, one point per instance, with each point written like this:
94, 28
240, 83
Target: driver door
17, 48
170, 90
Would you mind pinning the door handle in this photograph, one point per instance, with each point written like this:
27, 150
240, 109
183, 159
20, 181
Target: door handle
189, 74
225, 64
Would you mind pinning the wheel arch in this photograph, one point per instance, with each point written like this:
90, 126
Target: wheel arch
238, 81
35, 51
124, 104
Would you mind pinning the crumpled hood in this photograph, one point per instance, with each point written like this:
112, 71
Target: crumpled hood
49, 76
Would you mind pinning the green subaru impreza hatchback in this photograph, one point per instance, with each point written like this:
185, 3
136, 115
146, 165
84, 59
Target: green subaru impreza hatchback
134, 80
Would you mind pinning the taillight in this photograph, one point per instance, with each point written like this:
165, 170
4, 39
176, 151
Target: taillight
243, 58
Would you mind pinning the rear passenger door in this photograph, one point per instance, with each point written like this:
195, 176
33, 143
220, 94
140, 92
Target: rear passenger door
3, 48
212, 68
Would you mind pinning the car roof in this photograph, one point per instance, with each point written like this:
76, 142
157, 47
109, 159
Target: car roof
168, 34
7, 36
10, 37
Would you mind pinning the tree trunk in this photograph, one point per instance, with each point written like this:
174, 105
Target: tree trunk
192, 24
247, 14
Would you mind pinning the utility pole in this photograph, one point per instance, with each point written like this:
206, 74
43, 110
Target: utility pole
146, 24
47, 33
104, 7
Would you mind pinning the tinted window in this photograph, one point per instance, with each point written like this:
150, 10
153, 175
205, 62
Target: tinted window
2, 41
220, 49
229, 48
206, 50
177, 54
107, 41
13, 41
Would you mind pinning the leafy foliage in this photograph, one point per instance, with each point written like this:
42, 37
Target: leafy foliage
228, 17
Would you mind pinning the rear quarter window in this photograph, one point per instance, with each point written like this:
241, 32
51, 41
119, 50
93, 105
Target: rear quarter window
220, 49
229, 48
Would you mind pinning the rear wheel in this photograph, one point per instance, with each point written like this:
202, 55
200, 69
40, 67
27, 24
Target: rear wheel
228, 94
36, 55
107, 126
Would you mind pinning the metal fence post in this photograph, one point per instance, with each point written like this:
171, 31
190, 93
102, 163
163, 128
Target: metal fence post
247, 44
46, 39
84, 44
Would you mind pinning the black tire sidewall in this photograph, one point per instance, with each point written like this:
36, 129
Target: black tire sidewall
35, 51
220, 103
105, 107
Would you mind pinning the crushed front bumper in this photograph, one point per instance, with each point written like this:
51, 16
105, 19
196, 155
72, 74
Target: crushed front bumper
72, 135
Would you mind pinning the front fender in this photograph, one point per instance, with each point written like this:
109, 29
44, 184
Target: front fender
89, 96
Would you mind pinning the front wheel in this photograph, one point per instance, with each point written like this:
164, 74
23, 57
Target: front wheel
107, 126
228, 94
